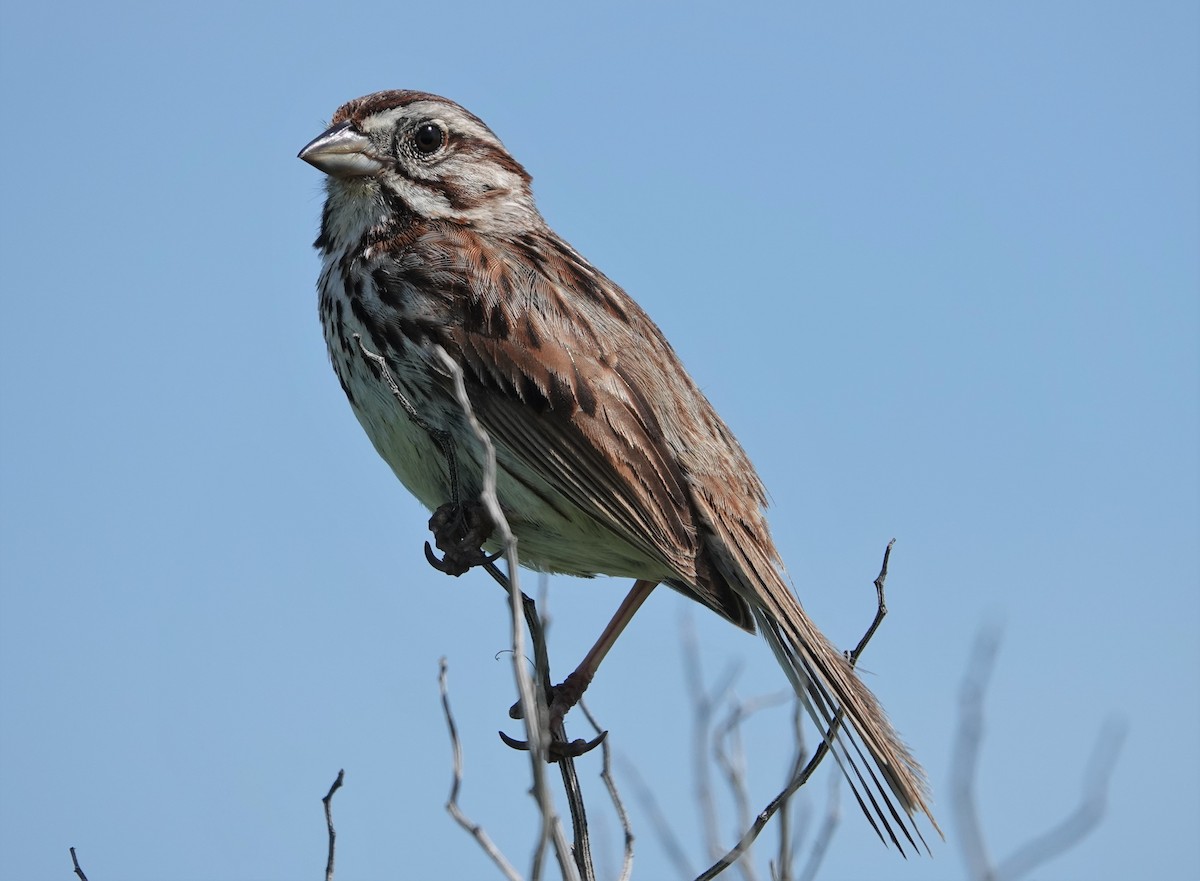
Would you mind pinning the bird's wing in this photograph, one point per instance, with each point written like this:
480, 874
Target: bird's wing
570, 378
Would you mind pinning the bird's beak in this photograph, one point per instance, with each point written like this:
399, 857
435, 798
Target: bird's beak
342, 152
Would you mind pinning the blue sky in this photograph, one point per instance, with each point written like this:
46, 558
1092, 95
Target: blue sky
936, 264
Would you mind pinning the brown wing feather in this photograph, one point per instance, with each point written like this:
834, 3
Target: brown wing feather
580, 402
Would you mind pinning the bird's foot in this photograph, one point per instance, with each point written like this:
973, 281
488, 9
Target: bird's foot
459, 531
562, 697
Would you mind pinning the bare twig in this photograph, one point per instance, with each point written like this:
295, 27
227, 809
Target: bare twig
533, 712
730, 757
704, 702
541, 663
965, 763
824, 836
328, 802
75, 863
666, 836
618, 805
880, 605
965, 760
1086, 816
473, 829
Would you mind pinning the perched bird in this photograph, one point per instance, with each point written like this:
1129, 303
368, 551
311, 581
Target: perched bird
610, 460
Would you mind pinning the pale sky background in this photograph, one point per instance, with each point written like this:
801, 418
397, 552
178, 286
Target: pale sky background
935, 263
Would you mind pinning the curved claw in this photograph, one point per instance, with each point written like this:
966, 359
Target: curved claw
459, 563
512, 742
559, 749
439, 565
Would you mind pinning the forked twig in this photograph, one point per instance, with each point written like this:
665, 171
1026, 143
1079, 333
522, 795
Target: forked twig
659, 824
536, 728
473, 829
618, 805
328, 802
965, 763
75, 863
824, 835
730, 757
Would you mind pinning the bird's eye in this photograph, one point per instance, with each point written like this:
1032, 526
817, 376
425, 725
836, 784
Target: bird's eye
428, 137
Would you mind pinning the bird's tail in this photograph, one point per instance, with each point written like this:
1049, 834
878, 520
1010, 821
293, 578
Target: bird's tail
886, 780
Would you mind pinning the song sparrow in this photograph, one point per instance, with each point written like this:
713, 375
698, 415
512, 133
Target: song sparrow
610, 459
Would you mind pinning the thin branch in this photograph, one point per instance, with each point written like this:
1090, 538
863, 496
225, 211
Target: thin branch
328, 801
536, 727
473, 829
1086, 816
964, 762
703, 702
967, 747
729, 754
75, 863
880, 605
824, 836
541, 663
611, 785
674, 849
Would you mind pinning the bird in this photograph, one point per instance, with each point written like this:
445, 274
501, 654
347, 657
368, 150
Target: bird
609, 458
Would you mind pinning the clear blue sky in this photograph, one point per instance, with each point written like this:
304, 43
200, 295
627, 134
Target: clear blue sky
936, 264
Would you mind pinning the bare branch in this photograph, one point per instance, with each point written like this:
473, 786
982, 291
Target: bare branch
967, 747
75, 863
611, 785
1086, 816
730, 757
533, 712
704, 702
824, 836
473, 829
328, 802
674, 849
566, 763
964, 763
880, 605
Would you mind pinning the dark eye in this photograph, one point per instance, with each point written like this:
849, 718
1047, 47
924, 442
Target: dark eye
428, 137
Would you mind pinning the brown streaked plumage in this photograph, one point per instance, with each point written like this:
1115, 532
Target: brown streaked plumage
610, 459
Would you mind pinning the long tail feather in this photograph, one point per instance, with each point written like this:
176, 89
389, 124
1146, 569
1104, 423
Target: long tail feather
886, 780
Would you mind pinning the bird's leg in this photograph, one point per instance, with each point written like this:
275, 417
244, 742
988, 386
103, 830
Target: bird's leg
568, 693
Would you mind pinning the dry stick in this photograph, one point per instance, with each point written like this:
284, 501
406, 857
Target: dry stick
535, 727
791, 829
824, 836
1083, 819
473, 829
965, 757
328, 802
703, 702
535, 718
802, 776
730, 756
541, 664
658, 820
1065, 834
619, 806
75, 863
